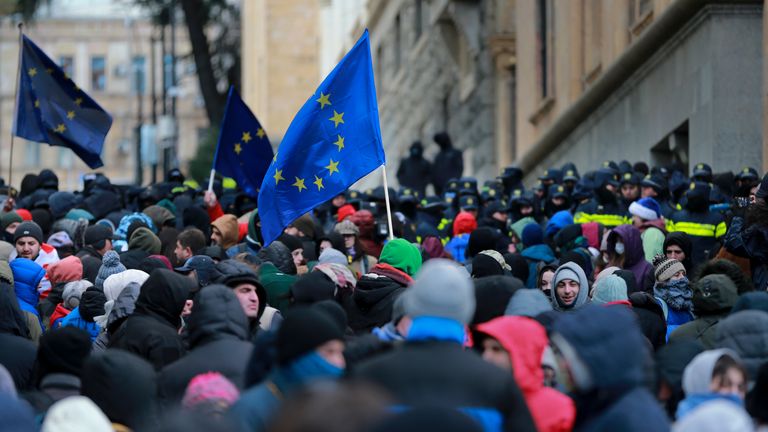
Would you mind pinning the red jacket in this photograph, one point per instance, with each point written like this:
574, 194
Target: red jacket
525, 340
59, 312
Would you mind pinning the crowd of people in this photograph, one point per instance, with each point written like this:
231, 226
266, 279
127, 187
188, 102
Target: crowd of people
627, 298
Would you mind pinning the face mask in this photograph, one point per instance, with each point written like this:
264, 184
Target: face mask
619, 248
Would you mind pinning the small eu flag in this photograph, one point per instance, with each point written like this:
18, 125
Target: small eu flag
51, 108
333, 141
243, 152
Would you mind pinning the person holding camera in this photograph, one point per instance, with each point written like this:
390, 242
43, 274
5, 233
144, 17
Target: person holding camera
748, 235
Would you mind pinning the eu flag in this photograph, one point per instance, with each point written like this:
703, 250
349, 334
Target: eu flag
243, 151
51, 108
333, 141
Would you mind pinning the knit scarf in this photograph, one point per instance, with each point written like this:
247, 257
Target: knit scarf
676, 294
436, 328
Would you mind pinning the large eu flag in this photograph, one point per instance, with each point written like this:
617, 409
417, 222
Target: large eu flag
243, 152
51, 108
333, 141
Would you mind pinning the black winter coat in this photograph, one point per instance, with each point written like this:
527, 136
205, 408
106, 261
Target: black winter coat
414, 172
444, 374
448, 164
151, 332
750, 242
218, 337
370, 305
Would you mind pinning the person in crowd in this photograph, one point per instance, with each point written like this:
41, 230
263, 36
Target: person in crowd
713, 374
225, 231
748, 236
250, 293
463, 226
516, 345
602, 353
713, 297
440, 303
415, 171
569, 288
449, 160
536, 252
219, 334
746, 333
28, 239
151, 332
27, 276
678, 246
705, 228
188, 244
370, 305
647, 217
97, 242
309, 347
625, 250
360, 262
672, 290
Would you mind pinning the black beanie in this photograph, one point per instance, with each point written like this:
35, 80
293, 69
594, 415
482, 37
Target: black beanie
303, 330
28, 229
63, 350
485, 265
312, 287
518, 266
92, 303
292, 242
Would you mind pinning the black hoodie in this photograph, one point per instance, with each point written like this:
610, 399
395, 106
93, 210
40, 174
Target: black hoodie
123, 385
18, 352
218, 337
152, 331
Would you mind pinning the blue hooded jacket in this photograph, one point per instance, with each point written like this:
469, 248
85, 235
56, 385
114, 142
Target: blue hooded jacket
608, 341
558, 221
27, 275
534, 255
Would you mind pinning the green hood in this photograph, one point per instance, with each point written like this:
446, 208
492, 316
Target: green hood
402, 255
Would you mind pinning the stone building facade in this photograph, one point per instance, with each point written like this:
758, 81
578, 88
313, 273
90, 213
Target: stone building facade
105, 67
664, 81
444, 65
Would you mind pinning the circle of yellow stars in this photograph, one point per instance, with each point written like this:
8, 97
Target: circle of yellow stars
71, 114
333, 166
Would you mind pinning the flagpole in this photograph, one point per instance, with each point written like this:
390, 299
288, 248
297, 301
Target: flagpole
15, 109
386, 200
210, 180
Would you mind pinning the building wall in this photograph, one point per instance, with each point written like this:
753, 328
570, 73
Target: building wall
442, 73
280, 59
118, 42
700, 83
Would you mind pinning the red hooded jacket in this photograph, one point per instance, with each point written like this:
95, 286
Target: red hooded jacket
525, 340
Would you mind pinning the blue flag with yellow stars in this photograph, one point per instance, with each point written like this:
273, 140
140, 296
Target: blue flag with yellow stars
51, 108
333, 141
243, 152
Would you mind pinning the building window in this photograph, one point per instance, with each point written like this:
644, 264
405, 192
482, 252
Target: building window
32, 154
593, 19
98, 73
418, 19
545, 48
67, 65
398, 43
640, 14
138, 81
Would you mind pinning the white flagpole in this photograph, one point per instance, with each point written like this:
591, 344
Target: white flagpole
15, 109
210, 180
386, 200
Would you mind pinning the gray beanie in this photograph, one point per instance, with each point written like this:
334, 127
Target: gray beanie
331, 255
528, 303
110, 265
608, 289
441, 289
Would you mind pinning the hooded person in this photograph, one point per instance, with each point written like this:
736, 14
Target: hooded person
672, 289
370, 305
704, 227
713, 298
746, 333
165, 220
27, 276
605, 355
359, 260
110, 265
570, 288
650, 316
123, 385
312, 288
528, 303
415, 171
730, 269
670, 363
69, 269
463, 226
58, 365
97, 241
252, 295
122, 307
712, 375
152, 331
489, 263
219, 341
113, 286
76, 413
309, 346
141, 244
535, 252
610, 290
716, 416
625, 250
647, 217
366, 223
18, 353
424, 369
277, 273
225, 231
448, 162
517, 344
91, 305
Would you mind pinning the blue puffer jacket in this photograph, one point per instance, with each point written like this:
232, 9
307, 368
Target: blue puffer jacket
612, 348
27, 275
534, 255
74, 319
457, 247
